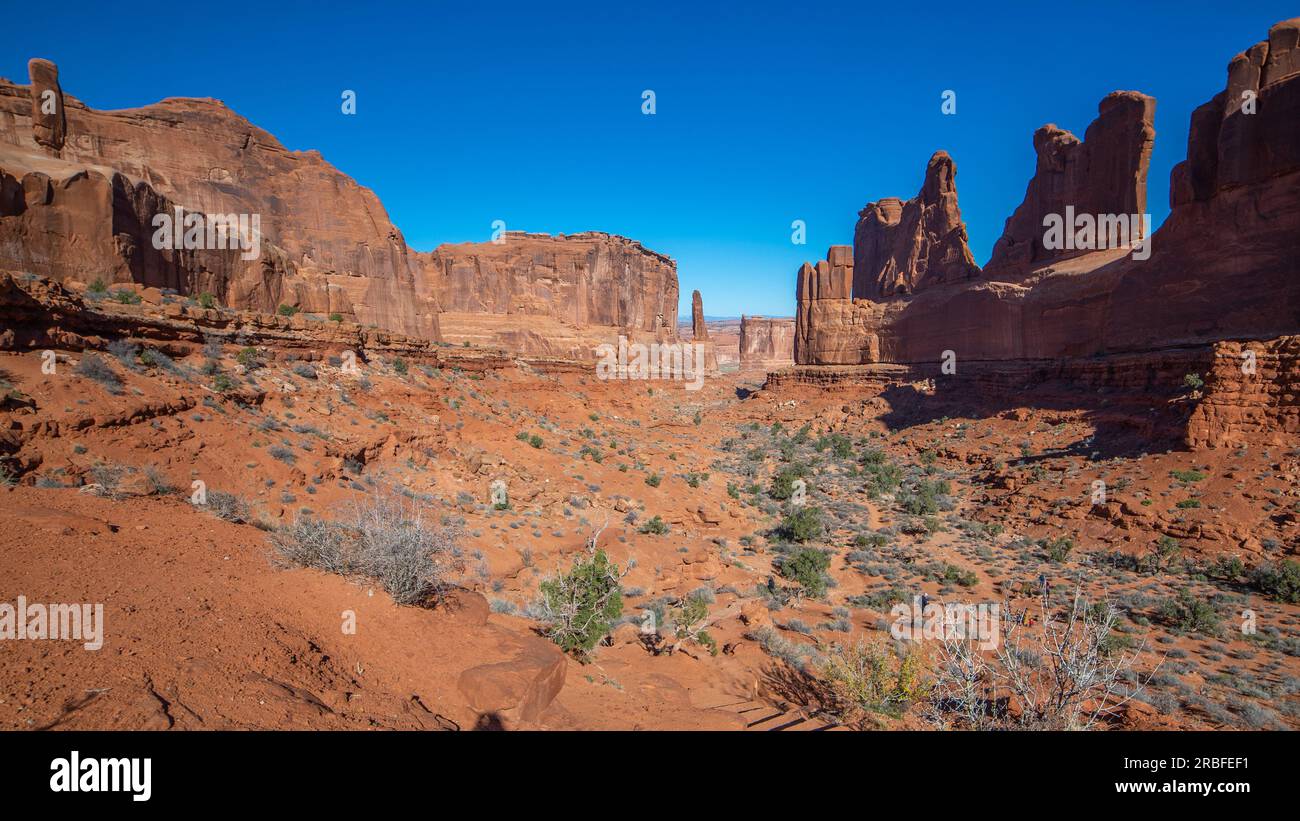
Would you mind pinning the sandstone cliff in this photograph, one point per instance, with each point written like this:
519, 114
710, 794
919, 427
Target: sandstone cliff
766, 343
558, 295
903, 247
1106, 173
327, 243
1222, 266
80, 189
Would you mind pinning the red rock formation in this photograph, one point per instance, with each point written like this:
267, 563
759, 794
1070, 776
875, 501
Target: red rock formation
766, 343
903, 247
1250, 396
82, 206
557, 295
699, 331
49, 125
328, 244
1104, 174
1222, 266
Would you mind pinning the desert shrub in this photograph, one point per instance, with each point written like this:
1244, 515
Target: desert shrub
653, 480
881, 600
883, 477
875, 677
283, 454
807, 567
95, 368
535, 441
1187, 613
152, 358
304, 370
1064, 673
222, 383
336, 317
783, 482
688, 618
803, 525
158, 480
97, 287
207, 300
106, 478
247, 356
1193, 381
1186, 476
227, 506
287, 310
1278, 581
399, 544
125, 297
399, 365
579, 606
386, 537
1058, 549
655, 526
124, 351
796, 654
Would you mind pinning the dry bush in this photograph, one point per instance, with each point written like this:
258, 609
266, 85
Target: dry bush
1065, 675
387, 537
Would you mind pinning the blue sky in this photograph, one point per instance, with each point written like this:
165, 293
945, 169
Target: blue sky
766, 112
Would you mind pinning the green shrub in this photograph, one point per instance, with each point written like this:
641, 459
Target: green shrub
653, 480
871, 678
807, 567
248, 357
783, 481
287, 310
336, 317
1058, 549
207, 300
1186, 613
1280, 581
579, 606
655, 526
803, 525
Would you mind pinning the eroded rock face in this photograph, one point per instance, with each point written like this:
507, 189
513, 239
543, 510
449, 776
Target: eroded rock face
1224, 265
327, 242
1106, 173
903, 247
590, 280
766, 343
1250, 395
49, 125
699, 331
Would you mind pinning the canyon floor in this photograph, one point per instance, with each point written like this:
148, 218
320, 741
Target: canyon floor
207, 626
